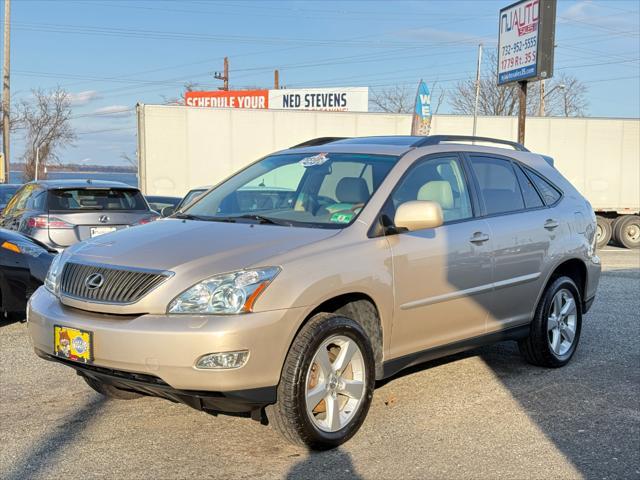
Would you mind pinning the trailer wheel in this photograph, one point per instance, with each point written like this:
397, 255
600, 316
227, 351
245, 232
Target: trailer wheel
603, 231
626, 231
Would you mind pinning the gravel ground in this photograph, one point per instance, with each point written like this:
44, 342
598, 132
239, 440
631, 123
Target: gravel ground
484, 414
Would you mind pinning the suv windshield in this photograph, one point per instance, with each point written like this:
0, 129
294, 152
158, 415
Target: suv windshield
77, 199
325, 189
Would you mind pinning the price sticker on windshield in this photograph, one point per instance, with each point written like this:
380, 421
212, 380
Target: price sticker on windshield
314, 161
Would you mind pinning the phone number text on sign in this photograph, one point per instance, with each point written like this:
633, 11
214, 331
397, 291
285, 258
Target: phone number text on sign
518, 41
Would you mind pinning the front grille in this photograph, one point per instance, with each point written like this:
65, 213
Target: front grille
119, 286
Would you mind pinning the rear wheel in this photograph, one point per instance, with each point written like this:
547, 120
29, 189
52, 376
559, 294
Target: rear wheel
627, 231
327, 384
555, 329
603, 231
110, 391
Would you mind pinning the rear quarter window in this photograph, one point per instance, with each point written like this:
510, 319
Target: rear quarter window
550, 194
81, 199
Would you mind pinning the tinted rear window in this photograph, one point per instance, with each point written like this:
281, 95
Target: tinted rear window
498, 185
82, 199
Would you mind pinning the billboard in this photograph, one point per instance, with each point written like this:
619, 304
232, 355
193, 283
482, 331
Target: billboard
228, 99
421, 123
526, 41
346, 99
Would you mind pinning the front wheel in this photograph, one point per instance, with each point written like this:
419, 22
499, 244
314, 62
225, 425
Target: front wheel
555, 329
327, 383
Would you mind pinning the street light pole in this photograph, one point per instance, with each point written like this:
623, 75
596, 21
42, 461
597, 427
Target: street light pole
475, 108
543, 96
37, 163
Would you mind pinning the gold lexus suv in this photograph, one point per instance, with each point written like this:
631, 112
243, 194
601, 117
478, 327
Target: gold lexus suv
287, 290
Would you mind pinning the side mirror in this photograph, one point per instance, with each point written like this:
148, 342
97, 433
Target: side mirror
418, 215
167, 211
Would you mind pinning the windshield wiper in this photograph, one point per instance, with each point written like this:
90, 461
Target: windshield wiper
188, 216
263, 219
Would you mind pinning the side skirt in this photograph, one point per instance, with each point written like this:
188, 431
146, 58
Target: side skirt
392, 367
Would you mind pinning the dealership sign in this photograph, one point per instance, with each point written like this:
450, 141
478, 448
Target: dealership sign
421, 124
347, 99
526, 41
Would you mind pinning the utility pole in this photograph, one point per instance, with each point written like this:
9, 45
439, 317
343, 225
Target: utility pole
522, 113
542, 95
276, 79
475, 108
224, 76
6, 100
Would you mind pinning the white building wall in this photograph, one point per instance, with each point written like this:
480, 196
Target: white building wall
185, 147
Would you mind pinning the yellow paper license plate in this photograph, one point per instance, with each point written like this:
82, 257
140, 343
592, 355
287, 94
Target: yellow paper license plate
73, 344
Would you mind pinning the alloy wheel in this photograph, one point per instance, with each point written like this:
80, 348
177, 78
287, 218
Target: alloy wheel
335, 383
562, 322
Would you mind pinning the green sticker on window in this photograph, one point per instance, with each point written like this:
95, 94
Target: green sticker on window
342, 217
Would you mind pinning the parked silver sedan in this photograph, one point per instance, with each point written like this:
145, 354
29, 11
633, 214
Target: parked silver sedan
60, 213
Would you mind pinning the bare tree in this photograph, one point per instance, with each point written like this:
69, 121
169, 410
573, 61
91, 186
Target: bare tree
401, 99
503, 100
396, 99
46, 119
569, 99
130, 160
180, 99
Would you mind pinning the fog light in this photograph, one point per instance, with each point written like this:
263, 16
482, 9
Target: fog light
223, 360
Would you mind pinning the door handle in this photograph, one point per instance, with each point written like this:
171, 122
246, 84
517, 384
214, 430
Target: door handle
550, 224
479, 238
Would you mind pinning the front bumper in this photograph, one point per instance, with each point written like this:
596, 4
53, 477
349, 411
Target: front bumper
167, 346
239, 401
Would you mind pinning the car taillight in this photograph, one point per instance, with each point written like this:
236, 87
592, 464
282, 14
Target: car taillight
44, 222
147, 220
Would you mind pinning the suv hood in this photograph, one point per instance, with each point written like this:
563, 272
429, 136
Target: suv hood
189, 245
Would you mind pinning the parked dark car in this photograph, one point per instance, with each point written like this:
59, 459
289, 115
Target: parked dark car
254, 198
60, 213
23, 267
7, 191
186, 200
159, 202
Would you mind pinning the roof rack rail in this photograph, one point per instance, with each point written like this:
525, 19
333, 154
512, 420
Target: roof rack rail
314, 142
437, 139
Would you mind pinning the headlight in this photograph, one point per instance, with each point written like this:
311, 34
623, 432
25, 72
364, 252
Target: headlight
53, 275
228, 293
24, 247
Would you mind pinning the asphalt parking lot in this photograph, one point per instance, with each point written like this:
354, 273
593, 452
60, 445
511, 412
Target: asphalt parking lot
483, 414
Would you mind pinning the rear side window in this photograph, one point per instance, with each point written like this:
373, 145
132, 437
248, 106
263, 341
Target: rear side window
498, 184
531, 197
550, 194
83, 199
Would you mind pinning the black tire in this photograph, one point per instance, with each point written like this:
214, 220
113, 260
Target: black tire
289, 415
627, 231
536, 348
603, 231
110, 391
614, 229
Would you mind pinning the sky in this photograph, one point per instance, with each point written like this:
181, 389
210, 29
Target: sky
111, 54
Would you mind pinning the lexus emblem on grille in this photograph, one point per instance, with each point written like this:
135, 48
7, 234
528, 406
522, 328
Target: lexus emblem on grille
93, 281
103, 219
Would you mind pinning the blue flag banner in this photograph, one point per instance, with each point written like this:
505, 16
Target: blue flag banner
421, 124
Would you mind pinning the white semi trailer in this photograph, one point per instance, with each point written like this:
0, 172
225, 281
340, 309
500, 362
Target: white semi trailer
180, 148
